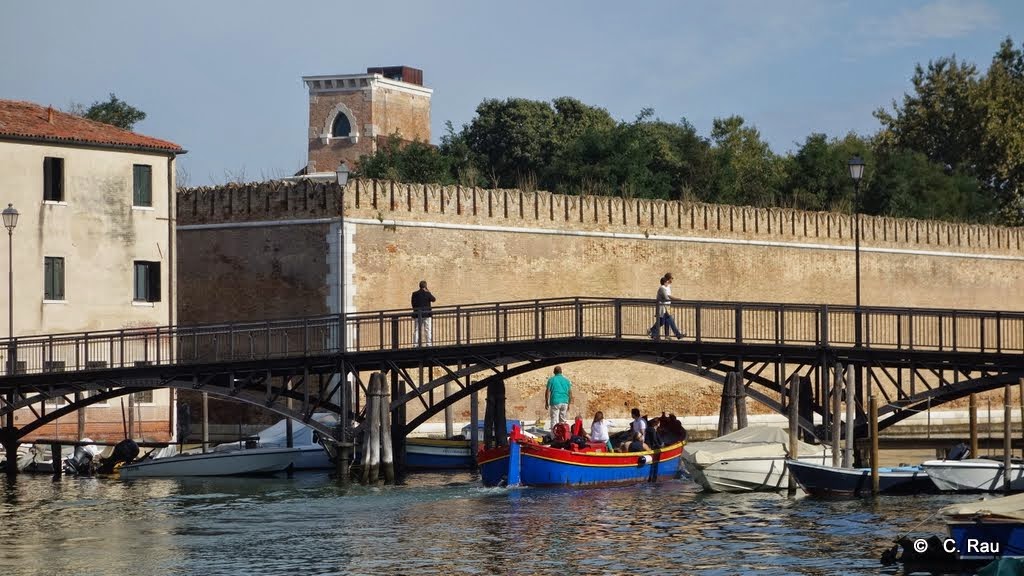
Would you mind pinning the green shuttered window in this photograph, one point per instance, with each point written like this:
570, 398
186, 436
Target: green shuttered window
142, 185
53, 278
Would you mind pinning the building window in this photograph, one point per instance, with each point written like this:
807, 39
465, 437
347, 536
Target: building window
142, 185
53, 278
53, 179
144, 397
341, 128
147, 281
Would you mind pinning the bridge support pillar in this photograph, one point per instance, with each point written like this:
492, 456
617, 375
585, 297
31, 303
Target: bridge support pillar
10, 444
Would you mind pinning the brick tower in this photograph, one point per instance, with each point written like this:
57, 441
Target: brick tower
353, 114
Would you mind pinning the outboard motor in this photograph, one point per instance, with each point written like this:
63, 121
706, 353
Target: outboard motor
124, 452
80, 463
959, 452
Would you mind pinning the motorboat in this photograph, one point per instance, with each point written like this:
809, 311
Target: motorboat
446, 453
750, 459
821, 480
310, 453
987, 529
974, 475
240, 462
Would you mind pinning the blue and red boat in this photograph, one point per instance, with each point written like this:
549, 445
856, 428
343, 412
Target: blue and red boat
524, 462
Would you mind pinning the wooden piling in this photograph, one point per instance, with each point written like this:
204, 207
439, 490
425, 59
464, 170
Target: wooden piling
206, 421
728, 405
474, 415
500, 428
837, 412
371, 435
55, 459
851, 405
1020, 399
794, 421
740, 394
387, 461
344, 445
489, 418
1007, 439
449, 412
873, 415
973, 413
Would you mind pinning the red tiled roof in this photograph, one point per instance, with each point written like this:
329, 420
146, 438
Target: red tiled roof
25, 120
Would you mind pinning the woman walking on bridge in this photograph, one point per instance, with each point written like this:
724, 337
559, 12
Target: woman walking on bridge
662, 315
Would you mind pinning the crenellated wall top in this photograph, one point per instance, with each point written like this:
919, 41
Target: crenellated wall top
512, 208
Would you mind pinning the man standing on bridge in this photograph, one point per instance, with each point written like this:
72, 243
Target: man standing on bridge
557, 397
421, 314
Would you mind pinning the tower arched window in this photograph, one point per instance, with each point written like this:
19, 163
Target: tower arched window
341, 128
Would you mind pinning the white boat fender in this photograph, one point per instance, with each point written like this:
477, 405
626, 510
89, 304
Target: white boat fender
643, 460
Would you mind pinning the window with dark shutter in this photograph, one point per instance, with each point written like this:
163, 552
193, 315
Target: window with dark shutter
53, 278
147, 282
53, 179
142, 185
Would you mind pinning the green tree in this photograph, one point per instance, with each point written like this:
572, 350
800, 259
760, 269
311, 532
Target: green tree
1002, 147
114, 112
400, 161
514, 139
817, 177
746, 171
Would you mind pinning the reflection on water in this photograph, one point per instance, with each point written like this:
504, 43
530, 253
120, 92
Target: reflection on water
436, 524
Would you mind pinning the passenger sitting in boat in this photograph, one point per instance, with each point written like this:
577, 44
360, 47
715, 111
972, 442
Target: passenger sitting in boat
652, 437
579, 435
635, 445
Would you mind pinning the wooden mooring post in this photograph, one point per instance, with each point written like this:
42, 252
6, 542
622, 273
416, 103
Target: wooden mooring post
794, 424
371, 434
387, 456
1007, 440
851, 405
873, 415
973, 415
740, 394
837, 412
58, 464
728, 405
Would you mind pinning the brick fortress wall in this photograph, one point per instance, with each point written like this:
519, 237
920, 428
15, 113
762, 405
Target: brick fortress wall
476, 245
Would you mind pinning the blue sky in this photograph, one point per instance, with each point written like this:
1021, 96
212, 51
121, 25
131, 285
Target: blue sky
223, 78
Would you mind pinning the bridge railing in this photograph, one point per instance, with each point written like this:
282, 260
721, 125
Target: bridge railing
537, 320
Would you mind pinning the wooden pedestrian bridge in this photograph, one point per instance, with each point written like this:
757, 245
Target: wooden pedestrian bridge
909, 359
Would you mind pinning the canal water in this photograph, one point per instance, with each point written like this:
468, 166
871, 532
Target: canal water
437, 524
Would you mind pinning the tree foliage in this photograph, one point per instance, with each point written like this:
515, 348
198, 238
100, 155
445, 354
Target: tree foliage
952, 149
114, 112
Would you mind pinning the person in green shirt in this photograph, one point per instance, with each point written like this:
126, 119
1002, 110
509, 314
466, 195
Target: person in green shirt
557, 397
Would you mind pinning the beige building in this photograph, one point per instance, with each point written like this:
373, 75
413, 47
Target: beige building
93, 248
351, 115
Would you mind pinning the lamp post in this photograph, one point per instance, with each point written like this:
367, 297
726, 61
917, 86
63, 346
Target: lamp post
341, 177
10, 216
856, 166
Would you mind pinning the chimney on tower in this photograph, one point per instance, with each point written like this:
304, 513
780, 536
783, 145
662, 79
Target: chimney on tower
49, 114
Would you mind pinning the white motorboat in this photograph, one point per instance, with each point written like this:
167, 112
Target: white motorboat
250, 461
973, 475
748, 460
310, 454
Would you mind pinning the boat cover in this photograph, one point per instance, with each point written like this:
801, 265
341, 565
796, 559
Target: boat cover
1006, 507
749, 442
276, 436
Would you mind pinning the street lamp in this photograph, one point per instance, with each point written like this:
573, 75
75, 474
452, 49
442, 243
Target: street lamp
10, 216
856, 166
341, 177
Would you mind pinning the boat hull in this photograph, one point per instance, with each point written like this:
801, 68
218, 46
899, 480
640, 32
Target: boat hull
531, 464
431, 454
987, 539
254, 461
973, 475
826, 481
745, 474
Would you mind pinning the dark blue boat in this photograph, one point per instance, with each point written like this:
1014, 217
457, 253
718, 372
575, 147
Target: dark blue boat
986, 529
818, 480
